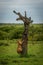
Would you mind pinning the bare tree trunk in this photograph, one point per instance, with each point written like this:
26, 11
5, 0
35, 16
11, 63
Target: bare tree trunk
24, 49
25, 40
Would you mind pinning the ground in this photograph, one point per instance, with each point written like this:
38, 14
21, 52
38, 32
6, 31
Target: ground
9, 56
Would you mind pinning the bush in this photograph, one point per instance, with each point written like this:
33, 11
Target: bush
15, 34
16, 31
3, 35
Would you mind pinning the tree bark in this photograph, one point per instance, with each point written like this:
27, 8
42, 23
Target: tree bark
25, 40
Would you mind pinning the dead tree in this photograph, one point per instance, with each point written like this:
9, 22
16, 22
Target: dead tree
26, 21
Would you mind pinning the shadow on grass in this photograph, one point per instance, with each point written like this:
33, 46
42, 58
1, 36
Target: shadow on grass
3, 62
28, 56
4, 44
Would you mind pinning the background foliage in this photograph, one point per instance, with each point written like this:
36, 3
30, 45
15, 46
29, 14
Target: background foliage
15, 31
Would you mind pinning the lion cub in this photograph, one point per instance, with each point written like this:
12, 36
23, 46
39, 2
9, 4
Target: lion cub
19, 48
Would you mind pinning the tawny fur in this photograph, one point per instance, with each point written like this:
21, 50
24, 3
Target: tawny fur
19, 48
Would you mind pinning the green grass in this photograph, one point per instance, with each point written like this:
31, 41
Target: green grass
9, 56
8, 48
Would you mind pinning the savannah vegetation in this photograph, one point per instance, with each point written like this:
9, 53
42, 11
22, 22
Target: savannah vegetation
9, 35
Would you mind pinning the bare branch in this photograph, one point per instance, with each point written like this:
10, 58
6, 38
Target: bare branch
18, 19
23, 18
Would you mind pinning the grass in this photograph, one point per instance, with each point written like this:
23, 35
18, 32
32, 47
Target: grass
8, 48
9, 56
